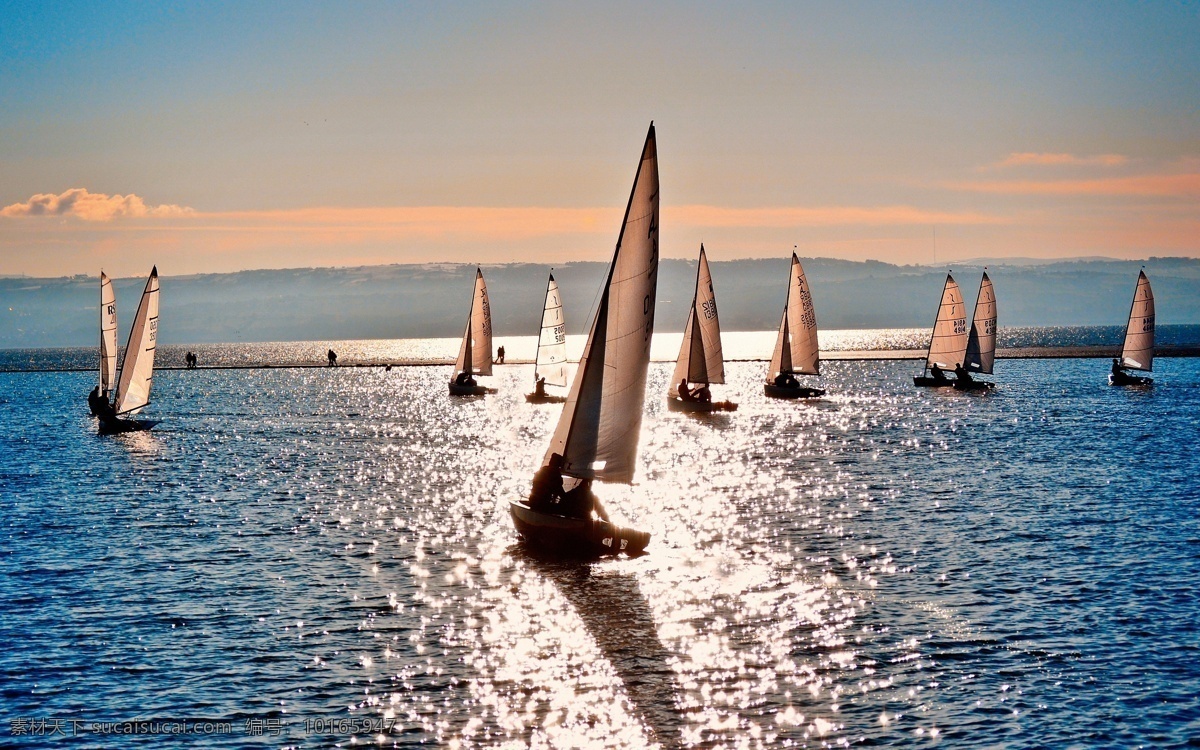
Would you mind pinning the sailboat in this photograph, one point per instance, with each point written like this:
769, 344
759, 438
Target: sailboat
981, 341
1137, 353
597, 434
108, 347
796, 351
948, 345
700, 359
550, 366
475, 354
137, 369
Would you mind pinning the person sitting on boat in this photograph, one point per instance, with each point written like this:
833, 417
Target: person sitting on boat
97, 401
464, 378
547, 492
702, 394
539, 387
101, 406
962, 375
581, 502
937, 373
685, 393
786, 380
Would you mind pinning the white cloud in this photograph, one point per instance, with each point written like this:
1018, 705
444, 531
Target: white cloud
80, 203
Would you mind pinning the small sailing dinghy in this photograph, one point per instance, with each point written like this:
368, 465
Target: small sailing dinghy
700, 359
137, 369
550, 366
1137, 353
99, 397
948, 345
796, 351
597, 434
981, 342
475, 354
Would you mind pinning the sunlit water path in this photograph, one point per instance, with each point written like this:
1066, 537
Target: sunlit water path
886, 566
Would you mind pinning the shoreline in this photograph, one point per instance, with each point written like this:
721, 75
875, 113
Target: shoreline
1047, 352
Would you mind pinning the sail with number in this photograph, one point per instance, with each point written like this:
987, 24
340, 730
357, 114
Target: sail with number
551, 362
700, 359
137, 370
108, 335
948, 346
981, 342
1137, 353
796, 349
597, 434
475, 354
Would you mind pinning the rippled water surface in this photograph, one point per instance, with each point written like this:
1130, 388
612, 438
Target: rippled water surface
886, 566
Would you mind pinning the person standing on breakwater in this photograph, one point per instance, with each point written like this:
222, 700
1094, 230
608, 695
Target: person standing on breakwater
500, 356
332, 355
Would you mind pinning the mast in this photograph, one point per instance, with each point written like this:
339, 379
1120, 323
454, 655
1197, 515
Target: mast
137, 371
796, 347
475, 353
949, 329
552, 339
108, 335
981, 343
597, 433
1137, 352
700, 357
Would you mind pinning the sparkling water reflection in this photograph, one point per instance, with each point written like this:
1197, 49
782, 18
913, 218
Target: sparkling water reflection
884, 566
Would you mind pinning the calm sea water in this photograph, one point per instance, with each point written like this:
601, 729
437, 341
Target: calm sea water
742, 345
308, 554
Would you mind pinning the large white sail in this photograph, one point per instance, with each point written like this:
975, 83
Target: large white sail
700, 358
597, 434
108, 335
981, 342
137, 371
948, 346
551, 362
475, 354
796, 349
1138, 350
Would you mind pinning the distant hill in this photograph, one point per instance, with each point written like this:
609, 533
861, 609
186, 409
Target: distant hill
415, 301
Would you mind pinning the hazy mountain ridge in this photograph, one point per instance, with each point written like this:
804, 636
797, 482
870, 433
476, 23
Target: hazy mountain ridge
430, 300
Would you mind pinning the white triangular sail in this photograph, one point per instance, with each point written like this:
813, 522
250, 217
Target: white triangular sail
551, 362
981, 342
137, 371
1138, 351
108, 335
700, 359
597, 434
475, 353
796, 348
948, 346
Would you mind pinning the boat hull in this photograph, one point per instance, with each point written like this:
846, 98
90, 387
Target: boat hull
574, 537
118, 426
545, 398
470, 390
778, 391
974, 385
1132, 380
699, 407
924, 381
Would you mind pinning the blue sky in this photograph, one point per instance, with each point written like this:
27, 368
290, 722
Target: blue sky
214, 137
